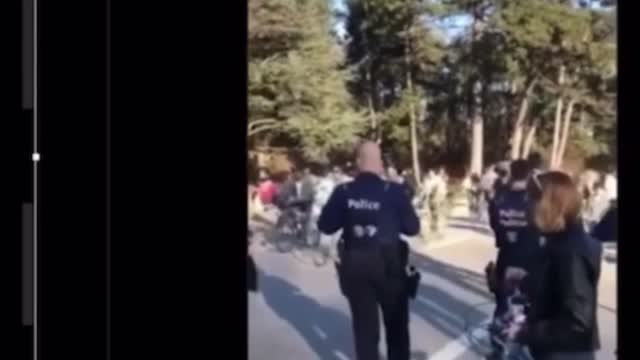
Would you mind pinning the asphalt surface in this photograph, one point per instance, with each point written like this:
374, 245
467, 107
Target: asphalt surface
300, 314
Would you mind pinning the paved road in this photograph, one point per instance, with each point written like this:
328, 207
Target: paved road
300, 313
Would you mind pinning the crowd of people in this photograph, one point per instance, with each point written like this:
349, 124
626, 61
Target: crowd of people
548, 227
308, 191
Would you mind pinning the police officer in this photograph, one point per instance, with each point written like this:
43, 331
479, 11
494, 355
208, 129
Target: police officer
372, 214
520, 247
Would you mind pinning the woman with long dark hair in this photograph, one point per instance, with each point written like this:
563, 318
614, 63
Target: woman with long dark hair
562, 323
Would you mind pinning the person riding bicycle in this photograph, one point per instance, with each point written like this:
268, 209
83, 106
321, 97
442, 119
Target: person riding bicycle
294, 199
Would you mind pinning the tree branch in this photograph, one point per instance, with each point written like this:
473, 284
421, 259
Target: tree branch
255, 123
259, 129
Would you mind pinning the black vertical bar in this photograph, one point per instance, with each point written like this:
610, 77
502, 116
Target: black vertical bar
71, 245
27, 54
27, 264
15, 143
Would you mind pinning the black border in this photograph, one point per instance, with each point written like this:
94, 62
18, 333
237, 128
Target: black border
177, 147
627, 111
72, 180
16, 183
178, 155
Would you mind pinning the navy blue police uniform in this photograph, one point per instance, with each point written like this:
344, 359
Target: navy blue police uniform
372, 213
519, 243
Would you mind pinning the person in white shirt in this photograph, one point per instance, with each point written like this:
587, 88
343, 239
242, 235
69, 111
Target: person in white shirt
611, 186
323, 188
597, 206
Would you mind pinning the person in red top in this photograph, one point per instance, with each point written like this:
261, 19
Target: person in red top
266, 189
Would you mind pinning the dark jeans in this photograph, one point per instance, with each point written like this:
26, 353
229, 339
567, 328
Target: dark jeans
369, 286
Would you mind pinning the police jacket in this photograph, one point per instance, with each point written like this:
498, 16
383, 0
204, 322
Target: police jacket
370, 212
563, 317
519, 243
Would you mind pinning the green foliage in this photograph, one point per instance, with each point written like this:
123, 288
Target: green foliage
318, 94
296, 84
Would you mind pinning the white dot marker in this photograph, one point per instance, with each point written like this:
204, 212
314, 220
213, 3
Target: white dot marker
35, 157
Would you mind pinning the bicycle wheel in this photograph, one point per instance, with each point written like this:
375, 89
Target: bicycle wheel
483, 341
479, 338
477, 329
284, 241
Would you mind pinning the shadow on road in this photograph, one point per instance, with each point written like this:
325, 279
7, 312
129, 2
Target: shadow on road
450, 314
326, 330
466, 279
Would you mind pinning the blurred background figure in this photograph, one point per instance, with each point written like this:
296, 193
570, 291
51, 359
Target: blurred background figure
596, 203
322, 191
437, 201
267, 189
606, 230
611, 184
535, 163
409, 182
475, 197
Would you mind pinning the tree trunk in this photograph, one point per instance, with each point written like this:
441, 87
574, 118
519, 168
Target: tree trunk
414, 146
373, 124
412, 112
373, 121
556, 134
566, 126
557, 123
528, 141
518, 128
477, 130
477, 122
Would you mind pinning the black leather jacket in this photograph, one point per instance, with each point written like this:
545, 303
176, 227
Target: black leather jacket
563, 317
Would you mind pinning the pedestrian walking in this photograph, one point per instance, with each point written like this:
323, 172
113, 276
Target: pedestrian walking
563, 321
475, 196
437, 202
322, 191
372, 213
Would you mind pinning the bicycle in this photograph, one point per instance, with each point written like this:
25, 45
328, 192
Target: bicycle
489, 339
298, 235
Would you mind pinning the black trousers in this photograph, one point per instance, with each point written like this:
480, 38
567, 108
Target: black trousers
371, 282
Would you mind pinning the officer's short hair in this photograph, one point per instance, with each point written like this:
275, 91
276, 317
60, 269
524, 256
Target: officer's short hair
519, 170
535, 160
557, 202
